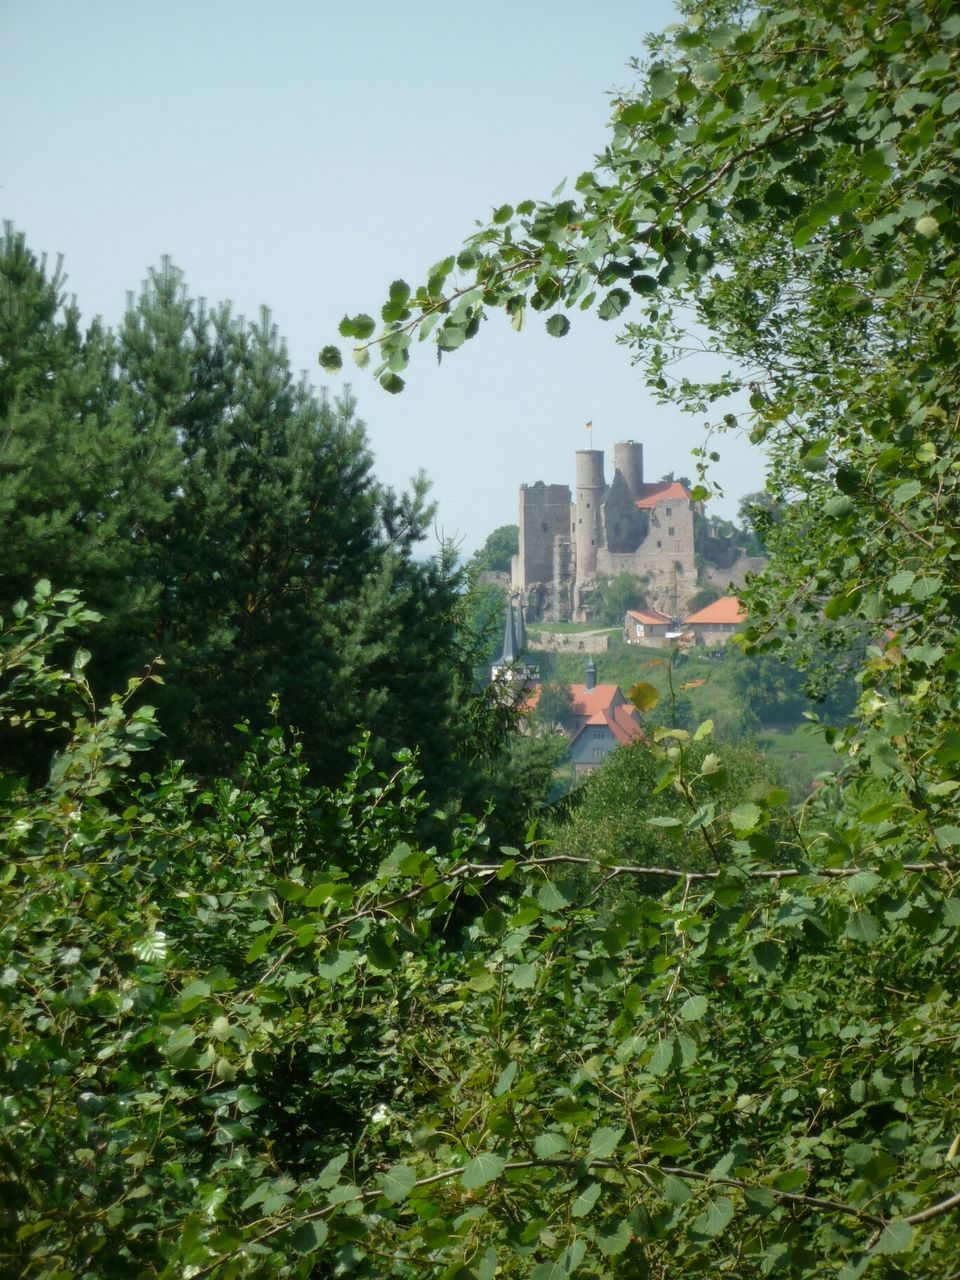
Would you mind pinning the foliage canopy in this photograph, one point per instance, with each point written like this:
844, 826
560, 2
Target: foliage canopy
235, 1045
224, 519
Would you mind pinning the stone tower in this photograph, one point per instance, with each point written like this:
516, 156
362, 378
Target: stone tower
589, 495
628, 460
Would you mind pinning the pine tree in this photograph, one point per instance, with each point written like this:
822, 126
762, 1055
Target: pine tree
224, 518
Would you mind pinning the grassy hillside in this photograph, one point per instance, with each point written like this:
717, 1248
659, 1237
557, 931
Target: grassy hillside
703, 688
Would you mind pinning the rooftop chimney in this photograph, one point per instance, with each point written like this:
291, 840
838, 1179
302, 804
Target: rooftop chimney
591, 675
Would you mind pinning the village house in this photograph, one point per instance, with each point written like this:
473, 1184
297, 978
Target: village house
714, 625
605, 720
601, 718
641, 625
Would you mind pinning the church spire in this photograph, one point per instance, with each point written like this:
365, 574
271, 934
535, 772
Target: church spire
521, 628
510, 650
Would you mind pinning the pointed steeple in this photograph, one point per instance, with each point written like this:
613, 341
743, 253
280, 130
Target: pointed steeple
510, 651
521, 628
591, 673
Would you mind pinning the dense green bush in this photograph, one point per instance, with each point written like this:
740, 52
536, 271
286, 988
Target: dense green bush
251, 1029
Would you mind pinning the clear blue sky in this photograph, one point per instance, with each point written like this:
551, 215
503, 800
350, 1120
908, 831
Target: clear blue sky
303, 154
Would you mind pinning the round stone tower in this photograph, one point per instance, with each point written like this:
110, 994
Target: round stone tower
590, 489
628, 460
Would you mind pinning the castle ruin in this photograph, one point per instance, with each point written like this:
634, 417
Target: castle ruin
629, 526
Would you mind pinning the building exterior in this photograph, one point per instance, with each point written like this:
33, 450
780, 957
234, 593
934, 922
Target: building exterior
509, 670
647, 626
568, 542
605, 721
715, 624
602, 718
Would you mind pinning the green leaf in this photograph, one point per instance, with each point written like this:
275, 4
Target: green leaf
398, 1182
896, 1237
925, 586
662, 1057
716, 1218
336, 963
558, 326
766, 956
675, 1190
760, 1200
863, 926
505, 1080
248, 1099
604, 1142
745, 817
900, 583
503, 214
309, 1236
693, 1009
392, 382
554, 897
481, 1170
614, 304
549, 1144
330, 359
549, 1271
612, 1242
360, 326
858, 1154
482, 981
523, 977
586, 1200
905, 493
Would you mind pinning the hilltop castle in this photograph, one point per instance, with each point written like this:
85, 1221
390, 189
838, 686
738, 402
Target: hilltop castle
628, 526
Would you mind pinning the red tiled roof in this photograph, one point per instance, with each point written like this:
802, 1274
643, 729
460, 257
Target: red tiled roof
727, 611
595, 701
650, 617
603, 705
651, 494
623, 721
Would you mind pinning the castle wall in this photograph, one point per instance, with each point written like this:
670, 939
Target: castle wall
567, 642
624, 526
564, 548
544, 514
665, 557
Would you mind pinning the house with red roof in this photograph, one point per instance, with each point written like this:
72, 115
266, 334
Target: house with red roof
647, 625
717, 622
605, 721
602, 718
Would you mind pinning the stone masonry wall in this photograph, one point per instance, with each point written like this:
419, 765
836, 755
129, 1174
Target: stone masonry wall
544, 513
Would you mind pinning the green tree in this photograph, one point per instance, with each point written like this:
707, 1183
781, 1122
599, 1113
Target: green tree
80, 482
237, 1036
609, 818
555, 706
757, 512
614, 596
788, 178
706, 595
224, 519
498, 549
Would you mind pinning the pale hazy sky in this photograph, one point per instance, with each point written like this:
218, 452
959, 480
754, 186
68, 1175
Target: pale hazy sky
303, 154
